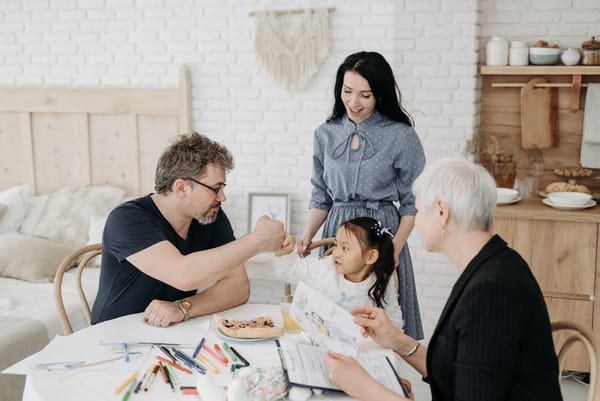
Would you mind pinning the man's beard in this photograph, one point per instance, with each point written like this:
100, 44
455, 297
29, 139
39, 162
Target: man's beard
207, 218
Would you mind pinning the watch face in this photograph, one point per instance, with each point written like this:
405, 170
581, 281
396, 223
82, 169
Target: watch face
186, 305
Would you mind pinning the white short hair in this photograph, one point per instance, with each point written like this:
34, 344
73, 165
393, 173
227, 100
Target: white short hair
467, 188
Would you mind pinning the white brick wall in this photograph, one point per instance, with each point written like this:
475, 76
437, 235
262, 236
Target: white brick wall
434, 47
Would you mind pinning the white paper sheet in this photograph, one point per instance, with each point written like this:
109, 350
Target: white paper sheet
305, 366
106, 346
329, 325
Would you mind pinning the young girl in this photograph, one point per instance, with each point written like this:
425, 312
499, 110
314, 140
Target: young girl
359, 271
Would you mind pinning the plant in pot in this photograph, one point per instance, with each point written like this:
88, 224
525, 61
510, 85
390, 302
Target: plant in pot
497, 155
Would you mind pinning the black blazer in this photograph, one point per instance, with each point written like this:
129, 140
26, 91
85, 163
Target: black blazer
493, 340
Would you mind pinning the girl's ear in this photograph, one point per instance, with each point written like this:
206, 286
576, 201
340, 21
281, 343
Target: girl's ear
372, 256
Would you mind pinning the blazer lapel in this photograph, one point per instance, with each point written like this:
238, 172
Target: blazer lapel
494, 246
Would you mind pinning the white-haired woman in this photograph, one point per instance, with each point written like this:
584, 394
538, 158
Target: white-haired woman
493, 340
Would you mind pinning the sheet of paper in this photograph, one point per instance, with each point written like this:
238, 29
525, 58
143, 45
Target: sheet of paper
104, 350
329, 325
305, 365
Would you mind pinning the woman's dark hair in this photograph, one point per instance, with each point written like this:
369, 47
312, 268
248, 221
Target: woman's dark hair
371, 235
373, 67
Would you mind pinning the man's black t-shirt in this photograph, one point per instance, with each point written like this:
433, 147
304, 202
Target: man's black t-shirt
131, 227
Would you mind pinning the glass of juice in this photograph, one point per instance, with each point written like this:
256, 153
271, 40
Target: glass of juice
289, 324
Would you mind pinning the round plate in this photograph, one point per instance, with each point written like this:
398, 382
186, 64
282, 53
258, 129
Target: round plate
548, 202
518, 198
243, 340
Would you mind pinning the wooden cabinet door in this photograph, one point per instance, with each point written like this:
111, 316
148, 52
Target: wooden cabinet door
561, 254
563, 258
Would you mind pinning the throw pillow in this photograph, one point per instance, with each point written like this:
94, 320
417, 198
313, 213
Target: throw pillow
16, 200
30, 258
95, 235
36, 207
65, 217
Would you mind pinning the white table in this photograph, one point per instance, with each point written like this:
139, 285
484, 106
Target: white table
85, 384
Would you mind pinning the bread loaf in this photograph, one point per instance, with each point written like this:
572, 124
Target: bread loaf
561, 186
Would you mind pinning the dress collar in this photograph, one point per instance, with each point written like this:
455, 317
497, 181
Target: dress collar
363, 129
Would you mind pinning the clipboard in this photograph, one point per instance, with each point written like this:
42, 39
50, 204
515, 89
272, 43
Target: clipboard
303, 366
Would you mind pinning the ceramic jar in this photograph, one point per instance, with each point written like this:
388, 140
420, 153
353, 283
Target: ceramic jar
570, 57
518, 53
496, 51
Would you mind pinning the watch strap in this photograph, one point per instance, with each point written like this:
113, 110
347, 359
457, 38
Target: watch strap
186, 311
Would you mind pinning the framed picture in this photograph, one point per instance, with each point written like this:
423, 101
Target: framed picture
274, 205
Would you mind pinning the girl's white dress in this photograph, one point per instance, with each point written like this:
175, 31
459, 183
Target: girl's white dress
319, 273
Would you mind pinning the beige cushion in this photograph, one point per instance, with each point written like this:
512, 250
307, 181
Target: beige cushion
67, 212
30, 258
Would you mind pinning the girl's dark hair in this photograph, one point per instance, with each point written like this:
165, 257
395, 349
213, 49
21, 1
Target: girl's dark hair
371, 235
373, 67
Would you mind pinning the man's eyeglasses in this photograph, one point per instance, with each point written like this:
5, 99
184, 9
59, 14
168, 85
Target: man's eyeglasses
216, 190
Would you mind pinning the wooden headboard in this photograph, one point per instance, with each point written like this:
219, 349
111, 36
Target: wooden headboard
56, 137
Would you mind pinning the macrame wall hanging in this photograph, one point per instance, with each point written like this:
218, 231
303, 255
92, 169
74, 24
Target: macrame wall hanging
292, 53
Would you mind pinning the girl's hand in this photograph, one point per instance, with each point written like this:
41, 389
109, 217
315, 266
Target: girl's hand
375, 324
303, 245
287, 246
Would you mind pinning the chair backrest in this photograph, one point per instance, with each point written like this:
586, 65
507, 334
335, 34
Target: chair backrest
82, 257
575, 333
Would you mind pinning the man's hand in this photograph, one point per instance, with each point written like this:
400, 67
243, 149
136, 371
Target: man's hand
162, 313
270, 233
287, 246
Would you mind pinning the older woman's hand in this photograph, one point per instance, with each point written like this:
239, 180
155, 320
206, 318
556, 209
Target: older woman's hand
346, 373
375, 324
354, 380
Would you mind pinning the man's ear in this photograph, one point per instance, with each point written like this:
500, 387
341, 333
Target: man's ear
179, 188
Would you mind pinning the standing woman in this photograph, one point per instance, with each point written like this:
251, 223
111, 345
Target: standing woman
365, 158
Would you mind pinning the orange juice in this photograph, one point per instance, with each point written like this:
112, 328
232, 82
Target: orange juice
289, 324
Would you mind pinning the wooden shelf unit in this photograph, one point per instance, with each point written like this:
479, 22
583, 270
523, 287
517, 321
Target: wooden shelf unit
561, 247
541, 70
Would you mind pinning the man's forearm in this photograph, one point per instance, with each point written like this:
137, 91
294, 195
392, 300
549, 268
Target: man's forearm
227, 293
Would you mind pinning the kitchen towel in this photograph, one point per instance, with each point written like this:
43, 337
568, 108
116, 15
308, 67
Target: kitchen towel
590, 143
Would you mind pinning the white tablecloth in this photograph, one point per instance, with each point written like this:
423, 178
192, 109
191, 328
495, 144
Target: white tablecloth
85, 384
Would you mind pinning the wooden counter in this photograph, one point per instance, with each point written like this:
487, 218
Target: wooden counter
534, 209
561, 248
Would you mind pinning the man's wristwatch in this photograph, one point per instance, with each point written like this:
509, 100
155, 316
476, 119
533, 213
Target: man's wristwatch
185, 306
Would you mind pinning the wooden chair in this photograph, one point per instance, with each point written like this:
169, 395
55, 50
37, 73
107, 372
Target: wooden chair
287, 288
80, 257
574, 333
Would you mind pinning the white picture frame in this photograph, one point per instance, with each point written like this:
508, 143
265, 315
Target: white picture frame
275, 205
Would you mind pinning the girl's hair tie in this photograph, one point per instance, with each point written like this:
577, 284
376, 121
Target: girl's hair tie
380, 230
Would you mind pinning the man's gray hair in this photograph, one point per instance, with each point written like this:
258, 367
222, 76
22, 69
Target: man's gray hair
187, 157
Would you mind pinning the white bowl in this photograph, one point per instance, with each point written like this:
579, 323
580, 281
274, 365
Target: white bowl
506, 194
569, 198
544, 51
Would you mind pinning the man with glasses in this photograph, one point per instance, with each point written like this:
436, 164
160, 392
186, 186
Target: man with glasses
172, 254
